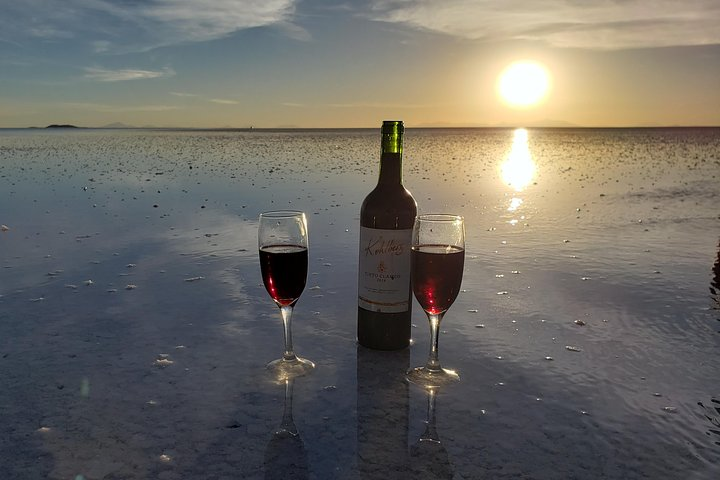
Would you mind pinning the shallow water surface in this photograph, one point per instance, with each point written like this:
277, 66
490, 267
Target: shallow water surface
134, 326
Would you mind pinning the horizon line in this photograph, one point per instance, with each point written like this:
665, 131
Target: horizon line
295, 127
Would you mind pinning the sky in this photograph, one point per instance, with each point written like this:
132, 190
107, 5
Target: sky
323, 64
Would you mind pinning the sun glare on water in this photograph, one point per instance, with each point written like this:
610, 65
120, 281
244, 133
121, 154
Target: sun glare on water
523, 84
518, 169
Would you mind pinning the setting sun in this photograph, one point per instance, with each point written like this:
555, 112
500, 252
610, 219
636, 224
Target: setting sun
523, 84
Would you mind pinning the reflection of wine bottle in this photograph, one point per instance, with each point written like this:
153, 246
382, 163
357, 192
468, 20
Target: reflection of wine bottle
285, 455
386, 221
382, 414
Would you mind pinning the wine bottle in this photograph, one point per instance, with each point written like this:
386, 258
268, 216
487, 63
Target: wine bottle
386, 220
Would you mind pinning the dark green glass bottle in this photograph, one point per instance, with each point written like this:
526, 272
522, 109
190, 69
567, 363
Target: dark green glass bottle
386, 220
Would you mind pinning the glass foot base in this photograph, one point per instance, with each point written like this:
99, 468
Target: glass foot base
283, 369
427, 378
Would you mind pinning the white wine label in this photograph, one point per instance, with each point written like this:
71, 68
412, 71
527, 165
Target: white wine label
384, 270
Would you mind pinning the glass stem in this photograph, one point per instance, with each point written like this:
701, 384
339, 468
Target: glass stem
431, 406
433, 364
288, 424
286, 312
430, 433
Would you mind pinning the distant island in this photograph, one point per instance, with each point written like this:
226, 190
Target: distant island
54, 125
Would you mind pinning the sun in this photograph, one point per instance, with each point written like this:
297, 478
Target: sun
523, 84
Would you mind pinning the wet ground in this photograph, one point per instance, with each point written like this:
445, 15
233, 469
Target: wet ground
134, 326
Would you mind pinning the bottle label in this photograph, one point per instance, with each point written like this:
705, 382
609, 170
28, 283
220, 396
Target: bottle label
384, 270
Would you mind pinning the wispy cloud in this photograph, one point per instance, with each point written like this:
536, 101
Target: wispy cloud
105, 75
385, 105
49, 32
356, 105
591, 24
200, 20
224, 101
111, 26
220, 101
99, 107
100, 46
11, 42
365, 105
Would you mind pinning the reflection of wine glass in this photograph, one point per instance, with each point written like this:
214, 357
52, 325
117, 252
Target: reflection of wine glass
283, 245
428, 454
438, 257
285, 455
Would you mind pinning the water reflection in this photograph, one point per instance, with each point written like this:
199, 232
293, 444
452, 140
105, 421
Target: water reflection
429, 458
715, 283
285, 455
382, 414
515, 204
518, 169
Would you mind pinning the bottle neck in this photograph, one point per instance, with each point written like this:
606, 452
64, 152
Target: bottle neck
391, 154
390, 169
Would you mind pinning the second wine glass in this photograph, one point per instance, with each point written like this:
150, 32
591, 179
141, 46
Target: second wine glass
438, 259
283, 246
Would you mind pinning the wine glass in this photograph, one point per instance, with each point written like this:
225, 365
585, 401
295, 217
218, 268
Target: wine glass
283, 246
438, 257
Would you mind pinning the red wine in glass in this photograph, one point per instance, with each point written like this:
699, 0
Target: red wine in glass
437, 272
284, 272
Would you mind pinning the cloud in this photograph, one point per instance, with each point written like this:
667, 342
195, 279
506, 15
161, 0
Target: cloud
11, 42
112, 26
220, 101
48, 32
105, 75
201, 20
385, 105
99, 107
369, 105
100, 46
591, 24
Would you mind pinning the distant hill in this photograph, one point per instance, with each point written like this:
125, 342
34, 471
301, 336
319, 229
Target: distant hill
118, 125
55, 125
